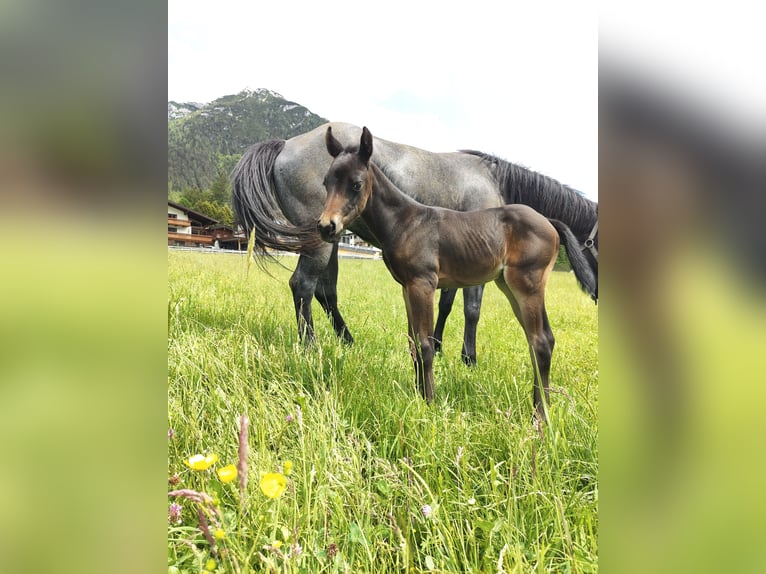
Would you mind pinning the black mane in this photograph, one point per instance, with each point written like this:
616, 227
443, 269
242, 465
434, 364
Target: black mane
546, 195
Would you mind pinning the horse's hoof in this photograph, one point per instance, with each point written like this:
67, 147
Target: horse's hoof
470, 361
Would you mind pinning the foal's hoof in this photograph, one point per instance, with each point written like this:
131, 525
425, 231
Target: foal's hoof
539, 419
308, 341
347, 338
469, 360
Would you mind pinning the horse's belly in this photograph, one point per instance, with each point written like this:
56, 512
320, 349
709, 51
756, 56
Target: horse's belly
468, 275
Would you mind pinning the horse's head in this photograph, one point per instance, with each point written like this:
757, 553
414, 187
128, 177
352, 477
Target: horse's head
348, 183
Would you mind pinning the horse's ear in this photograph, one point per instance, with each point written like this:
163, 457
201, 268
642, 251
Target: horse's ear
333, 146
365, 145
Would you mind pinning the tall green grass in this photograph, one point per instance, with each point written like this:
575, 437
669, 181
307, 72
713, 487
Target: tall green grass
381, 482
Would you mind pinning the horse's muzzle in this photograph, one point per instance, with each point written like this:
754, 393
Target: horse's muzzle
328, 230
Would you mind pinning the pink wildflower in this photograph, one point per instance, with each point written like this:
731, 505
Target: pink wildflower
242, 461
174, 513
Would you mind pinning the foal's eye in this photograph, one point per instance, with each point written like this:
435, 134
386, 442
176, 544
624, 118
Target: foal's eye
357, 186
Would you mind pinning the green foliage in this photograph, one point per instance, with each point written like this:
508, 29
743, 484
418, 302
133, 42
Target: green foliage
213, 203
562, 261
211, 139
220, 189
380, 481
221, 212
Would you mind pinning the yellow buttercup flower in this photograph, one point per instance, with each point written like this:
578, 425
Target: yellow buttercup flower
288, 467
201, 462
277, 544
210, 565
273, 484
227, 473
219, 534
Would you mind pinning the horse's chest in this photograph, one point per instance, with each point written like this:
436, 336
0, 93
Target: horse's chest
407, 265
393, 269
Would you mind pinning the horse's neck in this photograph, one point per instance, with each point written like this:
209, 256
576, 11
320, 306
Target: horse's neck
565, 205
388, 206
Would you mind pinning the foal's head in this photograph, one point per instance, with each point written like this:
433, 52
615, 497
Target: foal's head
348, 184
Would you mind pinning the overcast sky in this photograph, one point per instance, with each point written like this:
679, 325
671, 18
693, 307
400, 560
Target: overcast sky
519, 80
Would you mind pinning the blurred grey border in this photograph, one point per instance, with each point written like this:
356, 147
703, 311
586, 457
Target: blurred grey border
682, 160
83, 158
81, 102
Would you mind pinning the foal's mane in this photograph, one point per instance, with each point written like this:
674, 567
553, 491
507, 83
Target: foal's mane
550, 197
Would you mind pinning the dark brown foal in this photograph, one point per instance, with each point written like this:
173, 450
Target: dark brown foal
427, 248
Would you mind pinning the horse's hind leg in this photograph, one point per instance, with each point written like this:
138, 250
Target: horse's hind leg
548, 342
446, 299
327, 295
303, 283
529, 307
471, 309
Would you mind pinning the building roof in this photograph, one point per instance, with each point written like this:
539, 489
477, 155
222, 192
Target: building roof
196, 215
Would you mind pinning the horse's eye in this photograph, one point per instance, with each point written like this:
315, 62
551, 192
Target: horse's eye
357, 186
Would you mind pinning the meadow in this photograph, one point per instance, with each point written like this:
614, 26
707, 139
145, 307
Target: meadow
348, 469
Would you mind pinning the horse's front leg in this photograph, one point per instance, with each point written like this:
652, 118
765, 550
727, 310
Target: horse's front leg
446, 299
471, 308
327, 295
303, 283
419, 300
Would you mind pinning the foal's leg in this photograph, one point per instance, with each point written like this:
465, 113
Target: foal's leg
446, 299
327, 295
471, 309
303, 283
529, 307
419, 300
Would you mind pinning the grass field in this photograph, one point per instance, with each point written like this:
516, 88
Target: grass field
376, 480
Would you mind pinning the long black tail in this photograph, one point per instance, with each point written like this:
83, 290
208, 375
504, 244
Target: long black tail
582, 269
255, 205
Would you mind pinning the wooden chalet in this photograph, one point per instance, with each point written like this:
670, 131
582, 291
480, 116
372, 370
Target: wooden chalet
189, 228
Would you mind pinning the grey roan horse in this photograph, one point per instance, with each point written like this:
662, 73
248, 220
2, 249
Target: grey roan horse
426, 248
278, 191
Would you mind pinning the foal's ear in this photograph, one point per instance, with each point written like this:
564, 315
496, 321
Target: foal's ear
334, 147
365, 145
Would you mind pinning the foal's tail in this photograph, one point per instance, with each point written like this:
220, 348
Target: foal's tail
256, 206
582, 269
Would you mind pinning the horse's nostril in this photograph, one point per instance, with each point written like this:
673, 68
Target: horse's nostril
326, 229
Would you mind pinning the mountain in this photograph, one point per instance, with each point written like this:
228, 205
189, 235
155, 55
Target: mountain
207, 140
176, 110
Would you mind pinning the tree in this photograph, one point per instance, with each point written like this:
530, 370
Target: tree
191, 197
222, 213
220, 189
